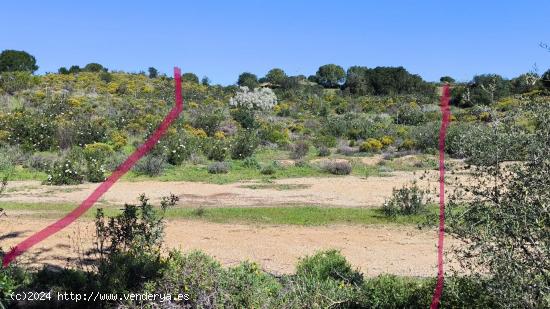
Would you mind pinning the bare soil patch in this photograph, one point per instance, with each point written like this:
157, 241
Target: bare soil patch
396, 250
344, 191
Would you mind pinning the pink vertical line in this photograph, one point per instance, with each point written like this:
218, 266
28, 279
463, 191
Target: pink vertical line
108, 183
445, 113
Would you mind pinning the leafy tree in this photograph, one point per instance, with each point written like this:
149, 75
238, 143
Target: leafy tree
545, 79
190, 78
291, 82
153, 73
15, 60
330, 75
276, 76
312, 78
502, 216
94, 67
385, 81
524, 83
247, 79
63, 70
447, 79
74, 69
488, 88
357, 81
205, 81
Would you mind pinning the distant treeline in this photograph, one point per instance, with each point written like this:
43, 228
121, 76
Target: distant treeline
357, 80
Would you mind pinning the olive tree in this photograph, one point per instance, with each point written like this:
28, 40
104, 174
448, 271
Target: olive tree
502, 217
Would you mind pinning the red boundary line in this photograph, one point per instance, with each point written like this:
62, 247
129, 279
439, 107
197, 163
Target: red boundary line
445, 113
108, 183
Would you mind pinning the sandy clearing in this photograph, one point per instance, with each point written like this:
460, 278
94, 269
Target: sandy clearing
348, 191
397, 250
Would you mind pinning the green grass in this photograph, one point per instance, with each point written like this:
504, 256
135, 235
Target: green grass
238, 172
300, 215
21, 173
288, 215
276, 186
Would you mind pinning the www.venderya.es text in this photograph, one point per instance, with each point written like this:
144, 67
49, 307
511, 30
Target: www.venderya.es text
96, 296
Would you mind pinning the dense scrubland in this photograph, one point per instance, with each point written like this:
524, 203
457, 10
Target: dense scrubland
78, 124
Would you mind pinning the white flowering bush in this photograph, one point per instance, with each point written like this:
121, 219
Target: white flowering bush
64, 172
245, 103
96, 155
259, 98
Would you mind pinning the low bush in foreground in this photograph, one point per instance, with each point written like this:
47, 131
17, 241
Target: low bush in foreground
324, 280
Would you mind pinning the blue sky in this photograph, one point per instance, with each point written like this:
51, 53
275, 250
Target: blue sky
221, 39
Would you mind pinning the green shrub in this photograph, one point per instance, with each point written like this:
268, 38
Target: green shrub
245, 117
312, 292
29, 129
346, 150
41, 161
389, 291
207, 117
371, 145
118, 140
96, 155
274, 133
179, 149
407, 144
247, 286
193, 273
325, 140
150, 165
299, 150
12, 82
325, 265
269, 169
64, 172
11, 278
216, 150
218, 168
409, 114
129, 244
251, 162
244, 144
323, 151
124, 272
138, 227
337, 167
408, 200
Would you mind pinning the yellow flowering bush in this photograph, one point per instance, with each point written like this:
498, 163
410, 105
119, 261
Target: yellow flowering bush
371, 145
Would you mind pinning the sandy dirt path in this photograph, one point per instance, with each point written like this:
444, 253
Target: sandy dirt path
348, 191
400, 250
